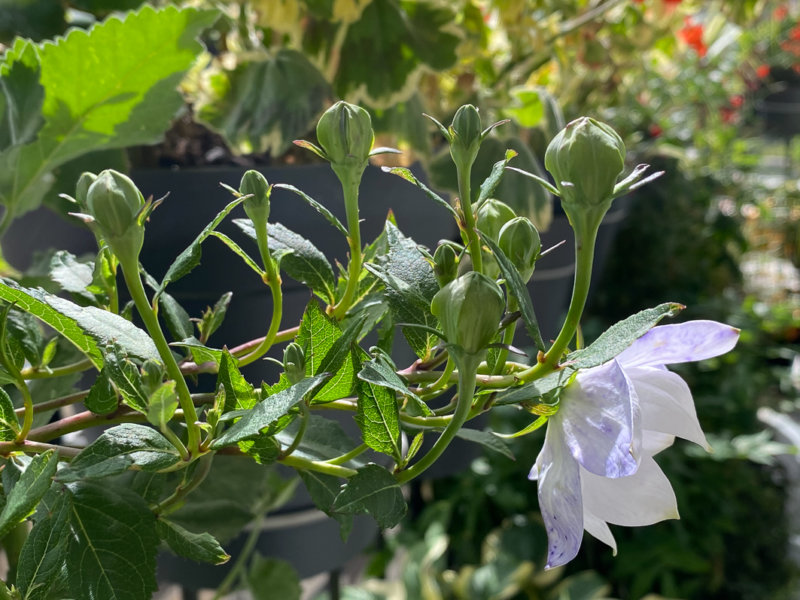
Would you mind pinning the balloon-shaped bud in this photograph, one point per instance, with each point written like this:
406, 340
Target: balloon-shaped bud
294, 362
465, 136
519, 240
255, 185
345, 134
491, 217
469, 310
82, 188
585, 159
445, 264
117, 206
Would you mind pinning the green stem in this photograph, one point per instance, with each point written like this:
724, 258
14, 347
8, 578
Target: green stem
175, 441
466, 390
130, 271
508, 338
300, 431
274, 282
472, 240
320, 467
27, 419
48, 372
173, 502
83, 420
30, 447
350, 185
340, 460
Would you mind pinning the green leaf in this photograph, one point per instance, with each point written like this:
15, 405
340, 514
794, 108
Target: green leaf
23, 330
239, 251
493, 180
200, 547
329, 216
239, 393
113, 543
323, 490
324, 439
163, 404
31, 487
527, 109
406, 174
342, 346
120, 448
73, 276
9, 423
384, 69
263, 105
21, 95
379, 372
190, 257
129, 104
200, 352
621, 335
127, 378
318, 334
379, 418
267, 411
42, 558
102, 398
176, 317
518, 290
534, 389
85, 327
305, 264
270, 578
213, 317
375, 491
486, 439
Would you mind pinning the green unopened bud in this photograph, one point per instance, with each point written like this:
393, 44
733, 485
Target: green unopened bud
519, 240
256, 206
465, 136
469, 309
491, 217
586, 158
82, 188
116, 204
294, 363
345, 134
445, 264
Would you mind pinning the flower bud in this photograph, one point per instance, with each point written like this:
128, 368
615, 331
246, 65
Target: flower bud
590, 156
255, 185
469, 309
521, 244
294, 362
445, 264
491, 217
345, 134
465, 136
117, 205
82, 188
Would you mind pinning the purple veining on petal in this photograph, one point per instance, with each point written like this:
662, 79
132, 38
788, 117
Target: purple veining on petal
682, 342
597, 418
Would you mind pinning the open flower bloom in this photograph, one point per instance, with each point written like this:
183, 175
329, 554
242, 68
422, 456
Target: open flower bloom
596, 466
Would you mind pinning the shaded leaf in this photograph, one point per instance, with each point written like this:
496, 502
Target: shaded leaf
486, 439
9, 423
200, 547
270, 578
102, 398
31, 487
379, 418
373, 490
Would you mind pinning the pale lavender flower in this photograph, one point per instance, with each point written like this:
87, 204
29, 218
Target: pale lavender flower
596, 466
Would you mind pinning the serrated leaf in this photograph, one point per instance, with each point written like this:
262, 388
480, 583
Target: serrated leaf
162, 404
73, 276
323, 490
44, 552
130, 104
270, 578
176, 317
379, 372
621, 335
341, 348
518, 290
31, 487
305, 264
378, 418
102, 398
21, 94
239, 393
200, 547
267, 411
190, 257
85, 327
200, 352
372, 490
329, 216
9, 423
486, 439
213, 318
120, 448
127, 378
112, 549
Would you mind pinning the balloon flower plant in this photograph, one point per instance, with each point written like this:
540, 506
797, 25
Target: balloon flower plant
86, 520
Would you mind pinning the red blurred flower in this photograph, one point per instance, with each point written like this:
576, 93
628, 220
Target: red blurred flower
672, 1
794, 34
737, 101
654, 130
692, 35
780, 13
762, 71
728, 114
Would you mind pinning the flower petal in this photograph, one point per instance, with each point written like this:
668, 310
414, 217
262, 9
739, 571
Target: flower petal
644, 498
559, 498
683, 342
599, 529
666, 404
596, 413
655, 442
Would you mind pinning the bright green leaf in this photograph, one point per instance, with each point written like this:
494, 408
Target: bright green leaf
379, 418
25, 495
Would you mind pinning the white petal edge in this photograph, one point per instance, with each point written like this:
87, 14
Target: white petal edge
666, 403
679, 343
599, 529
644, 498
